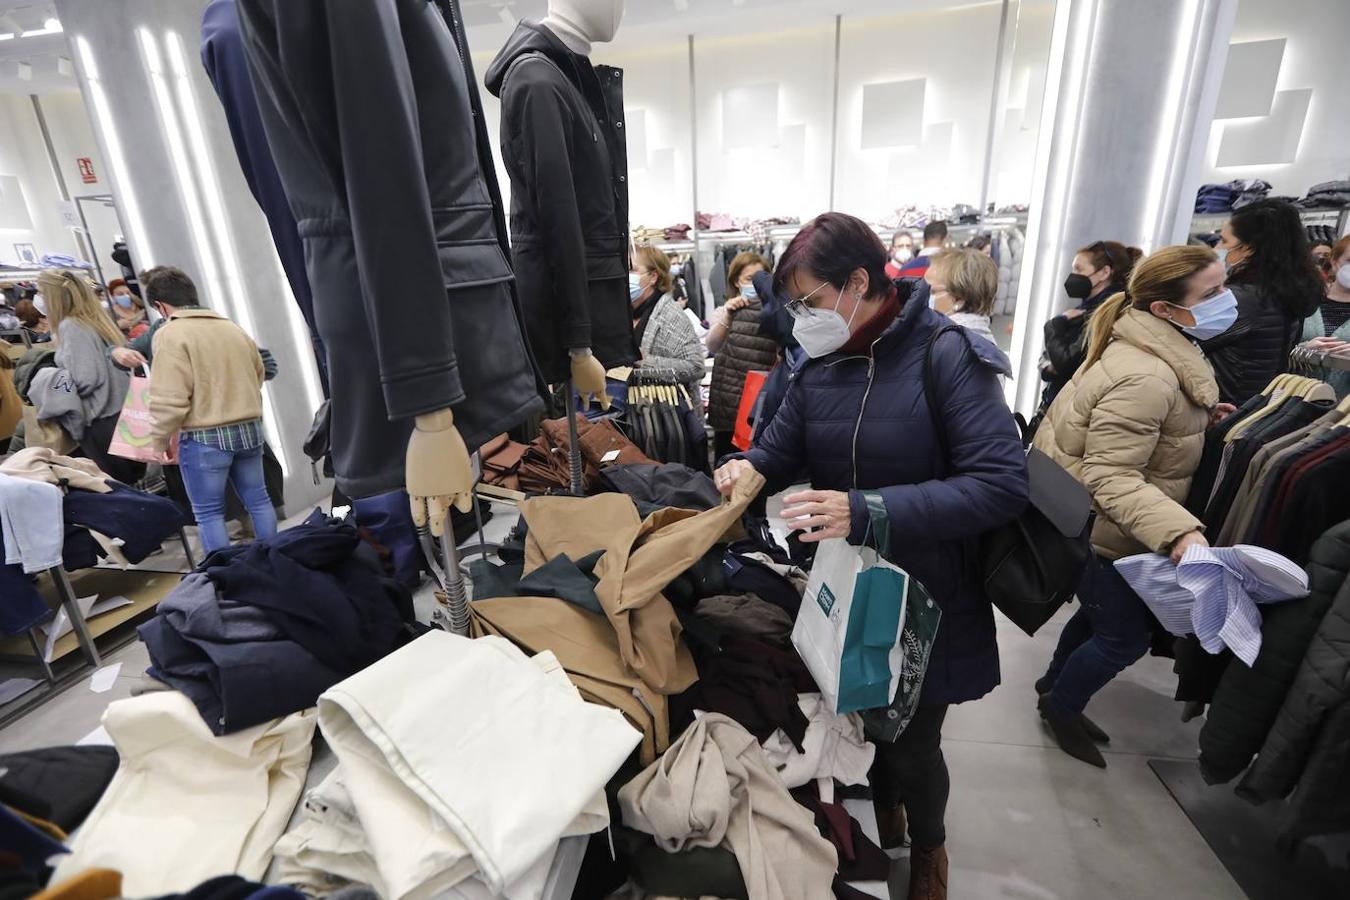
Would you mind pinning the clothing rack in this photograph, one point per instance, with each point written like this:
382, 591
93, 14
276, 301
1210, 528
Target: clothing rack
1304, 357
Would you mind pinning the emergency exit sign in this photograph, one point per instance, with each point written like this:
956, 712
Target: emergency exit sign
86, 166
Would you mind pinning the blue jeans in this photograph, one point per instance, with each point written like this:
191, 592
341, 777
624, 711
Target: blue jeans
206, 470
1109, 632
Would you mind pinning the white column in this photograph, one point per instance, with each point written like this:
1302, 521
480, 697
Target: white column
1130, 94
182, 197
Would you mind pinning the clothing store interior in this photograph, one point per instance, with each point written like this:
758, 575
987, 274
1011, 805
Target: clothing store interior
850, 449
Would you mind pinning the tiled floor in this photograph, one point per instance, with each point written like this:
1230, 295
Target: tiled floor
1025, 821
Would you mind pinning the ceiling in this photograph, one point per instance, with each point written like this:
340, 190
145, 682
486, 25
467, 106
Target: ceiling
490, 21
40, 53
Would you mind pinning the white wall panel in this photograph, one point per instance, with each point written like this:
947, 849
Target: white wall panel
1314, 33
949, 55
775, 160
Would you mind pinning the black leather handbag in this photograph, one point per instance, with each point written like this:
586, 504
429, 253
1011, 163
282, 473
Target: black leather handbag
1031, 566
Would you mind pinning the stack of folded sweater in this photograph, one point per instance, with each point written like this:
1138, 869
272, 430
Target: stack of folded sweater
1328, 194
260, 630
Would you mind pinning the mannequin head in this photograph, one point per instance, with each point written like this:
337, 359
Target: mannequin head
581, 23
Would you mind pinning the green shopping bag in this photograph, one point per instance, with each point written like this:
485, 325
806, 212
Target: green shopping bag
850, 627
918, 634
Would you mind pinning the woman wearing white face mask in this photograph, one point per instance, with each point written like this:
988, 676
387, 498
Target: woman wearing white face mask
856, 419
664, 334
1130, 426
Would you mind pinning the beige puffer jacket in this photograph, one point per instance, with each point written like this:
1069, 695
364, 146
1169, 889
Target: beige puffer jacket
1131, 429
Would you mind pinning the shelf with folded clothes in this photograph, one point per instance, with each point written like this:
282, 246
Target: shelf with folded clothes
143, 589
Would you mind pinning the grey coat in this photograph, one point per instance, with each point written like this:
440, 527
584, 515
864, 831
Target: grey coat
670, 343
101, 385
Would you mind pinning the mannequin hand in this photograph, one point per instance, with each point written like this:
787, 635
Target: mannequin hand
826, 511
1185, 542
588, 379
439, 474
726, 477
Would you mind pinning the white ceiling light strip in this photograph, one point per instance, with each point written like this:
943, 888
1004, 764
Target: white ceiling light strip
112, 145
198, 212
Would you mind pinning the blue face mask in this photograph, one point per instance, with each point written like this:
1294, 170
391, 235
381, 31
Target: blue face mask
634, 285
1212, 317
122, 300
748, 292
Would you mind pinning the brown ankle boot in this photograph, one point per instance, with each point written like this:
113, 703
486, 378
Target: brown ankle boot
891, 826
928, 874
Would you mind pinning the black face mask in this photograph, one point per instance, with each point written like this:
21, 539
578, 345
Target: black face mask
1079, 287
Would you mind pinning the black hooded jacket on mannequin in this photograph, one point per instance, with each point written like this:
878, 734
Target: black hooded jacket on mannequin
563, 144
369, 112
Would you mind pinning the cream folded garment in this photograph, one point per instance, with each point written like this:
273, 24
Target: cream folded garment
462, 763
186, 805
714, 787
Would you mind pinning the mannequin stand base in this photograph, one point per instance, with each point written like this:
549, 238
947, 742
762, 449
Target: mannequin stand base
1243, 837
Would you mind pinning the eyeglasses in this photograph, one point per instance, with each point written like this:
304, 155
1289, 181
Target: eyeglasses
798, 308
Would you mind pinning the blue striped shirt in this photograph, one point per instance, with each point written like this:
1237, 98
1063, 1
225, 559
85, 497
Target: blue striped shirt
1214, 592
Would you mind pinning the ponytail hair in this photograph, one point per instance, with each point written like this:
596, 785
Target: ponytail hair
1120, 258
1161, 277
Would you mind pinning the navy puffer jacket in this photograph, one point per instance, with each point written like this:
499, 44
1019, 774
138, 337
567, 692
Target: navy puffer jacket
856, 423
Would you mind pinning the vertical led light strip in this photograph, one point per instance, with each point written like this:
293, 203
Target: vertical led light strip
112, 145
220, 224
1165, 156
197, 215
182, 170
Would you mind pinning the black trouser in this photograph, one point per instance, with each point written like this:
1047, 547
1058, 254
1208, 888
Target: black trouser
912, 771
98, 434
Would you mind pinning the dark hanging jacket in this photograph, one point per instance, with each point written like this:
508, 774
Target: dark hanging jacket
369, 111
1308, 746
1249, 355
858, 423
1248, 699
563, 145
746, 349
223, 59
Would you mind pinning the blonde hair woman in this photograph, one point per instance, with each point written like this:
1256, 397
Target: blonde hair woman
963, 285
1130, 426
664, 333
84, 335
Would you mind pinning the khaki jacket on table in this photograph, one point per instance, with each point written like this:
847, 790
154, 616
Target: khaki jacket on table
207, 372
1132, 429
